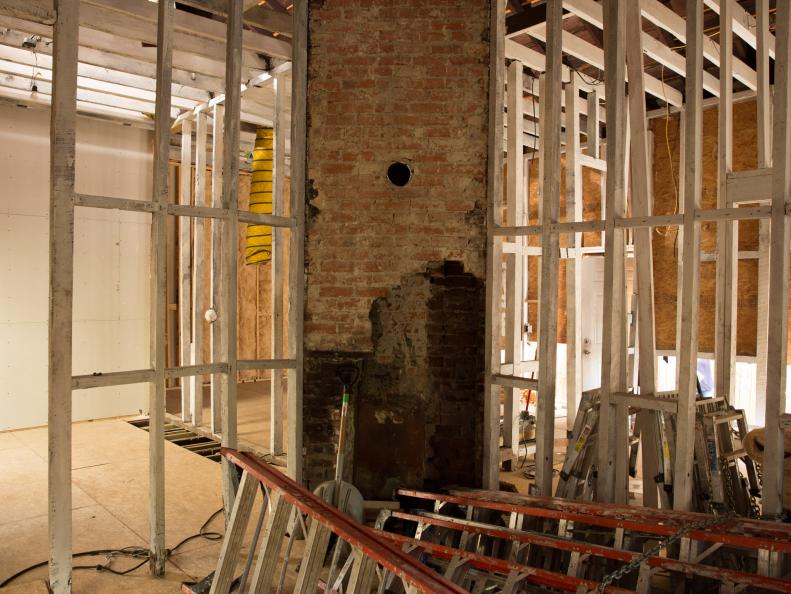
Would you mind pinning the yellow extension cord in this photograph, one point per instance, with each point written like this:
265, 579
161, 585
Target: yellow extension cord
258, 244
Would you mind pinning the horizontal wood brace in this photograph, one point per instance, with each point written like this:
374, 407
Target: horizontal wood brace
646, 401
181, 210
700, 216
513, 381
139, 376
592, 162
266, 364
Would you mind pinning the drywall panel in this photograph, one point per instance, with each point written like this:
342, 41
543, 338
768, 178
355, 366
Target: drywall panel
111, 266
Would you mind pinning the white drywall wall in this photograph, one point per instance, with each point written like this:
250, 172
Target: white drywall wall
110, 271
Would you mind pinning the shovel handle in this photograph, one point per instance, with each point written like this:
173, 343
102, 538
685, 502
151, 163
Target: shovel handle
342, 436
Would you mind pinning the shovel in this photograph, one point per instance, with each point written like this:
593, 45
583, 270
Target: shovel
338, 493
345, 496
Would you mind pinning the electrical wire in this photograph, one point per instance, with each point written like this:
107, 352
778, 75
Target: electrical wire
660, 230
133, 552
591, 80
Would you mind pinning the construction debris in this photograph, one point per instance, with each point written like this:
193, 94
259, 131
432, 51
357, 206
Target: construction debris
726, 478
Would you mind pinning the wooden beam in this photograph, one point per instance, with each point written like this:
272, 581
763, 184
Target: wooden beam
277, 272
531, 107
550, 243
84, 96
682, 127
537, 61
727, 243
613, 336
216, 328
764, 127
198, 268
693, 168
296, 259
574, 265
667, 19
105, 49
43, 13
192, 34
523, 21
158, 311
185, 267
515, 196
754, 185
490, 465
593, 139
772, 496
642, 206
262, 81
744, 24
591, 12
587, 52
61, 278
266, 19
271, 20
230, 199
199, 27
20, 61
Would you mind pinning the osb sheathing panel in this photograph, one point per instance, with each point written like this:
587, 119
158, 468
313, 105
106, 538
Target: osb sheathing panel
666, 169
666, 179
591, 211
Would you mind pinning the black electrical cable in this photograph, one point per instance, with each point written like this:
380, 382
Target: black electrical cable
134, 552
201, 533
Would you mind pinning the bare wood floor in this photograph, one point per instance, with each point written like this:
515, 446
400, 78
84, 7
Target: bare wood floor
254, 412
110, 507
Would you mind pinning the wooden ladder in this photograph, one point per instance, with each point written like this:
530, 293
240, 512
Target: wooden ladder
288, 509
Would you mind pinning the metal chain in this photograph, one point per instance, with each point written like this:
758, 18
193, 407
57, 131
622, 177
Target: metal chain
662, 544
781, 517
725, 473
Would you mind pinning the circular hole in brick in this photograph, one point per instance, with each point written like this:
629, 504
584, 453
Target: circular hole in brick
399, 173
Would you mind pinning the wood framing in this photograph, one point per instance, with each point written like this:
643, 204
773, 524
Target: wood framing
215, 333
515, 198
198, 268
276, 266
185, 268
579, 48
550, 245
613, 377
664, 17
158, 311
688, 300
296, 259
772, 496
61, 278
494, 174
642, 205
727, 243
230, 198
764, 125
574, 243
224, 210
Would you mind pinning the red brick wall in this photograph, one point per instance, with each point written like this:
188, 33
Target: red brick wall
387, 80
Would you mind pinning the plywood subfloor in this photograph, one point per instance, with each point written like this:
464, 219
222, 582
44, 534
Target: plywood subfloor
254, 412
110, 506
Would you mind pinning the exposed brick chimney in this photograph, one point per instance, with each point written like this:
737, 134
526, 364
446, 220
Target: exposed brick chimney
395, 264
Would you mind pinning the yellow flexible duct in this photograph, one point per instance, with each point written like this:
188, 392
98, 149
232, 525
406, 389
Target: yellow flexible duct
258, 244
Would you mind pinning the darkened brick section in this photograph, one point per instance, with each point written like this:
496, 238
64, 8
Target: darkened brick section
420, 407
417, 408
396, 80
